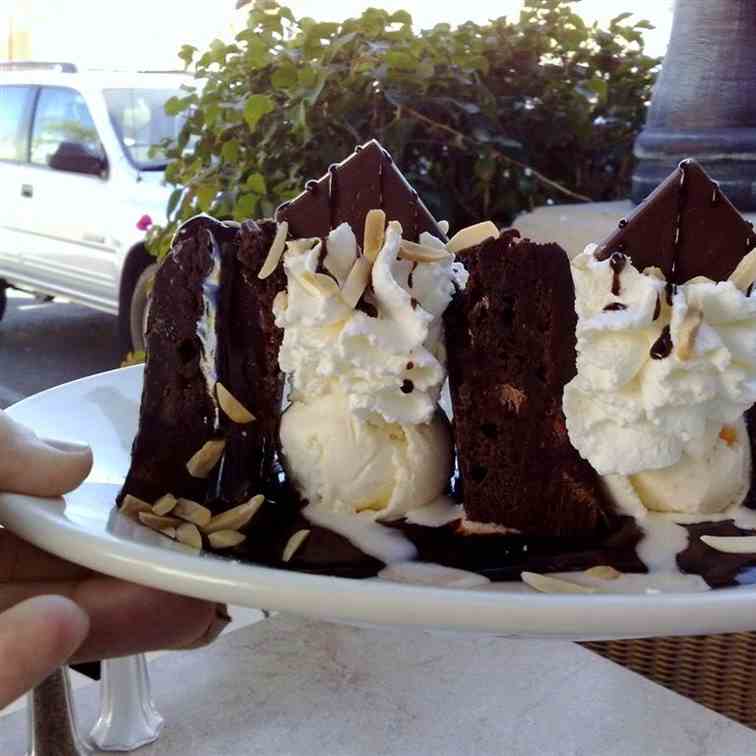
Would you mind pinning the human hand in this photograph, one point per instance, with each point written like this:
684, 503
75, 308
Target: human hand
52, 611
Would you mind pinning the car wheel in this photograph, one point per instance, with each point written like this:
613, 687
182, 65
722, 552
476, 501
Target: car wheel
139, 308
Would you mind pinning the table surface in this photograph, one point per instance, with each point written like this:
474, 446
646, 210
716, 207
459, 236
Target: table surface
289, 686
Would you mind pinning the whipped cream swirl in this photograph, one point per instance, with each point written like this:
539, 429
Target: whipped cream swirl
388, 358
657, 383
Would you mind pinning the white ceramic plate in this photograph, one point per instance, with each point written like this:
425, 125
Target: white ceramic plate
102, 411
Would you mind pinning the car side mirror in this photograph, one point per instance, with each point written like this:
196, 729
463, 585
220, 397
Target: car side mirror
75, 157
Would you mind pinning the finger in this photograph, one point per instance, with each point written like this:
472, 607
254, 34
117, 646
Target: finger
128, 619
37, 636
32, 466
20, 561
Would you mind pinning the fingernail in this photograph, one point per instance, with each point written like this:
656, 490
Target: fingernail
215, 628
70, 447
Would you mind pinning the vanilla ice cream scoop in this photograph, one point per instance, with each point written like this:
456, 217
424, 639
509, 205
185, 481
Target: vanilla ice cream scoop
350, 464
664, 377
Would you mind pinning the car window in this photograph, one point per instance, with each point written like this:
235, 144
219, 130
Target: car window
61, 117
15, 105
140, 121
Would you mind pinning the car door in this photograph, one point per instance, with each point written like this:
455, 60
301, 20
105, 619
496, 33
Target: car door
16, 103
71, 250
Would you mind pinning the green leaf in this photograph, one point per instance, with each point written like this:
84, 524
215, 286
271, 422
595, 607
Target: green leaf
205, 195
187, 54
284, 76
256, 107
255, 183
401, 17
245, 207
173, 201
175, 105
230, 151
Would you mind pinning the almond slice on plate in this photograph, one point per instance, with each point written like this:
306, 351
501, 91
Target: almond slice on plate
156, 522
293, 544
731, 544
236, 517
226, 539
191, 511
188, 534
132, 506
548, 584
603, 571
164, 505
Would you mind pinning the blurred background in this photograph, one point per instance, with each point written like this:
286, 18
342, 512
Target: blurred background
491, 109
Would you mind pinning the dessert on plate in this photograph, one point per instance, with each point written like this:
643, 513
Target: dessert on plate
599, 408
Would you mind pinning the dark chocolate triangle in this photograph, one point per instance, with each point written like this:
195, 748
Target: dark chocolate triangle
686, 227
366, 180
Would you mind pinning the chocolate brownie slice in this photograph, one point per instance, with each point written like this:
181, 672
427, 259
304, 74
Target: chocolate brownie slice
210, 321
511, 349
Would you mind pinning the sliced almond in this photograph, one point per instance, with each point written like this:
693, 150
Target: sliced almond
375, 231
604, 572
293, 544
280, 301
156, 522
190, 511
547, 584
203, 461
731, 544
164, 505
231, 406
276, 250
236, 517
422, 253
443, 226
317, 284
188, 534
131, 506
356, 282
226, 539
745, 273
170, 532
471, 236
688, 331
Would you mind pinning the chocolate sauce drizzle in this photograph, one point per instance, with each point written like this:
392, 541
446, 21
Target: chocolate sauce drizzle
617, 263
657, 308
682, 199
615, 307
662, 347
333, 192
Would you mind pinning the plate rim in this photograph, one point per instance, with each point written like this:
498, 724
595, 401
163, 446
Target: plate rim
522, 614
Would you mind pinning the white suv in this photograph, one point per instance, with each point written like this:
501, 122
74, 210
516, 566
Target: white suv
78, 188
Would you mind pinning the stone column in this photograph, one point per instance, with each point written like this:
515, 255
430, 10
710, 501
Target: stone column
704, 103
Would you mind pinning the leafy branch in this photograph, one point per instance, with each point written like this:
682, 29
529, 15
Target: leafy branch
486, 120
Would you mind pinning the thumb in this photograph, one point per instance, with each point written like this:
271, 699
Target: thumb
40, 468
36, 637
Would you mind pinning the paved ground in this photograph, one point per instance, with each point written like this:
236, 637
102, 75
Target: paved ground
43, 344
